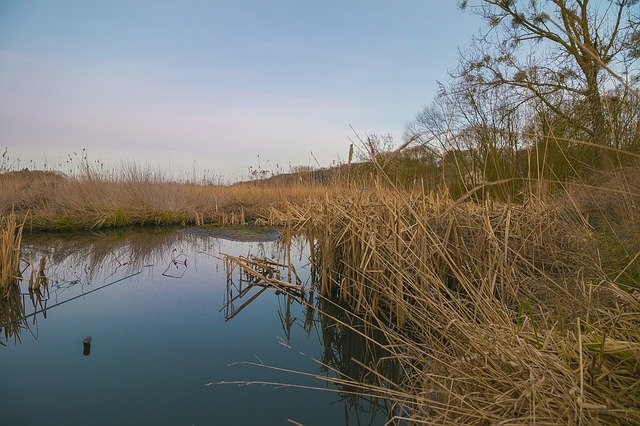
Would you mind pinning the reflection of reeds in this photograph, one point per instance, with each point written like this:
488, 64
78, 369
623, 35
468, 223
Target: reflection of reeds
75, 260
12, 313
494, 310
12, 305
110, 252
356, 354
354, 360
38, 279
10, 241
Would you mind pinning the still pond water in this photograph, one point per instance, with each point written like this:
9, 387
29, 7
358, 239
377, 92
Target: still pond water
163, 338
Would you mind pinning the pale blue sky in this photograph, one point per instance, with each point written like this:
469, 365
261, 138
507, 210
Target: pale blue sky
168, 83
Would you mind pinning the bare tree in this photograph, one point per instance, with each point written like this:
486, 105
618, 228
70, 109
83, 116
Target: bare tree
555, 51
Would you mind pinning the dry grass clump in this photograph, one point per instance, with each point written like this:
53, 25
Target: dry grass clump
11, 308
136, 197
22, 190
10, 240
496, 312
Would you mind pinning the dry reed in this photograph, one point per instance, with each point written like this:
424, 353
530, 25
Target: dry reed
10, 241
497, 312
57, 202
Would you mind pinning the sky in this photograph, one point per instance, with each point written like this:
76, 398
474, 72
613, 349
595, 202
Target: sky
216, 87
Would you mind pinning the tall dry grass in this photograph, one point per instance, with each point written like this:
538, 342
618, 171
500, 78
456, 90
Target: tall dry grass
496, 312
137, 197
10, 241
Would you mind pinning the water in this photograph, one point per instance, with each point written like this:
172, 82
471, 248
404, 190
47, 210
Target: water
154, 305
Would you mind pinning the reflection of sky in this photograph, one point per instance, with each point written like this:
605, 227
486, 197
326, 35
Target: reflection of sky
217, 82
157, 341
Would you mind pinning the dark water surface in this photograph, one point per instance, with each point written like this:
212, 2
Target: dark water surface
160, 343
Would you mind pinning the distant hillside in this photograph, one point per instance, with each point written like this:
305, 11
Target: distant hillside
31, 176
412, 163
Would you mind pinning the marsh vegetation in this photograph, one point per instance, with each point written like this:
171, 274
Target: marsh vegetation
485, 268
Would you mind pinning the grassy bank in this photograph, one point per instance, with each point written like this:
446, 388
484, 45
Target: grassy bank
495, 311
58, 202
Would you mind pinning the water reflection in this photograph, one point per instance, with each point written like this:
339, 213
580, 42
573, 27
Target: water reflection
263, 284
353, 357
256, 275
74, 266
14, 305
355, 351
11, 315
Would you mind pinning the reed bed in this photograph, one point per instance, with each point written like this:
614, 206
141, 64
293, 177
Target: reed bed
496, 312
134, 197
